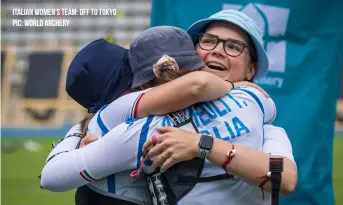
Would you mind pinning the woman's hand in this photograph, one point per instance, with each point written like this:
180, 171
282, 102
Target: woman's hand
87, 139
247, 83
174, 145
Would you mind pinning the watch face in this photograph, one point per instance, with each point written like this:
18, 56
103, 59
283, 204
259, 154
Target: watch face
206, 142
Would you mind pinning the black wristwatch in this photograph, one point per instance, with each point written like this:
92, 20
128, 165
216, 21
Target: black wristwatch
205, 145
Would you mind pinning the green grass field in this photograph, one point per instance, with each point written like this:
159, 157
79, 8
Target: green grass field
20, 171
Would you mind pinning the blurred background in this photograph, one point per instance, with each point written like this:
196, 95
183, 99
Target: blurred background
34, 95
36, 110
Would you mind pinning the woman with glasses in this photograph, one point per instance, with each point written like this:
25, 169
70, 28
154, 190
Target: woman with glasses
228, 52
231, 46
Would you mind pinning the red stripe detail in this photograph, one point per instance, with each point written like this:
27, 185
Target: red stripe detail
229, 158
136, 105
84, 177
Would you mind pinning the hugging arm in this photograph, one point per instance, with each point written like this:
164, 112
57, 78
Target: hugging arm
76, 167
68, 166
194, 87
249, 161
247, 164
57, 174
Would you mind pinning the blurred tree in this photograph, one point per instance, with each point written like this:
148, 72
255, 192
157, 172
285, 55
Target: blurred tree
3, 14
109, 39
120, 14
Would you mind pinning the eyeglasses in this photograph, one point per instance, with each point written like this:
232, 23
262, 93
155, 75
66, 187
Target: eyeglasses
231, 47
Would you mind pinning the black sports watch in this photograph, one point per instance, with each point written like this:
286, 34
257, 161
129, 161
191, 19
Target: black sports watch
205, 145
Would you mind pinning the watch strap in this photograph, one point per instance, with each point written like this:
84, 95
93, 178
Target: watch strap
203, 153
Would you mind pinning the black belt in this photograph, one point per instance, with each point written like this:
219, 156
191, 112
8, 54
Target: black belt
192, 179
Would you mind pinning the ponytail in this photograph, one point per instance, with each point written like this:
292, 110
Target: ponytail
85, 122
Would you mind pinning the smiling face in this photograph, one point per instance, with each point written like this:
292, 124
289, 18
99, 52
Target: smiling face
218, 62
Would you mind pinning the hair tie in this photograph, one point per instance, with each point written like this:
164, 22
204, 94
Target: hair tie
165, 63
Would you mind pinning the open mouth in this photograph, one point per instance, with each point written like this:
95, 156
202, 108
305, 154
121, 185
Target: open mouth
216, 66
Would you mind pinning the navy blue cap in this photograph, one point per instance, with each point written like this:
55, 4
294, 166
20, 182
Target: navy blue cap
98, 74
